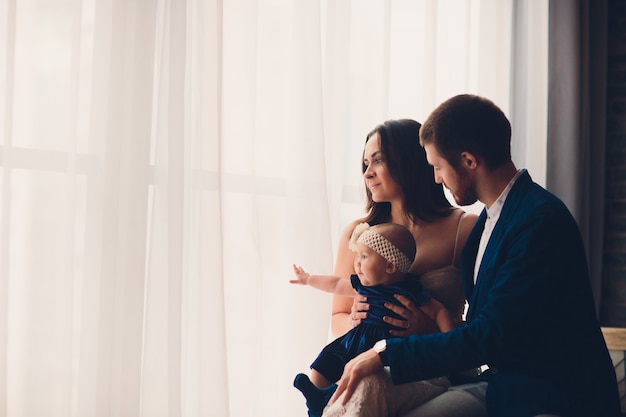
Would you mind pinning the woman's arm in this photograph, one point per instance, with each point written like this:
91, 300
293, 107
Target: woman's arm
346, 308
435, 310
467, 224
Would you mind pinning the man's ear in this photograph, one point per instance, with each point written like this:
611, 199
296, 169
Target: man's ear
468, 160
391, 268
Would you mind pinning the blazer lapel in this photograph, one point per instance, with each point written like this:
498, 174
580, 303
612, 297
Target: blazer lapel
468, 257
513, 200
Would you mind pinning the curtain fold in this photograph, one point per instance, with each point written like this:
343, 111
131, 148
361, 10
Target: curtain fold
7, 59
164, 163
529, 88
577, 120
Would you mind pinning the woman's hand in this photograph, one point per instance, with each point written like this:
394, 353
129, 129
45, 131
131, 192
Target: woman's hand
415, 320
357, 314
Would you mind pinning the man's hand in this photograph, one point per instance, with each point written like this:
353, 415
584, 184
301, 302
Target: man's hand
367, 363
415, 320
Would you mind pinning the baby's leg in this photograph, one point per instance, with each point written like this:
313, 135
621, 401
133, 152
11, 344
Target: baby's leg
316, 398
319, 380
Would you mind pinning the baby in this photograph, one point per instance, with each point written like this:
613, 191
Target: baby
384, 254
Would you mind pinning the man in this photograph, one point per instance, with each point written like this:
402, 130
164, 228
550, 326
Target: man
531, 315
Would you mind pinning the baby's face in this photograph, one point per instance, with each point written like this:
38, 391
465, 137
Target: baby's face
370, 266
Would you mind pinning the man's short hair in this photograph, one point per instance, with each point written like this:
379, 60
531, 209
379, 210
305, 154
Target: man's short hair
469, 123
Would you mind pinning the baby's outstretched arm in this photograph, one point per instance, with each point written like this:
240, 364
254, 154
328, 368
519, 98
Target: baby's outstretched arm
328, 283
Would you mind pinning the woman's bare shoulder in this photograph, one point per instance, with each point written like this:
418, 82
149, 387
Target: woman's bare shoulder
459, 219
349, 228
442, 241
467, 222
468, 216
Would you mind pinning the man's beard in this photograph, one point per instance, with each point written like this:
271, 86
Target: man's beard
465, 192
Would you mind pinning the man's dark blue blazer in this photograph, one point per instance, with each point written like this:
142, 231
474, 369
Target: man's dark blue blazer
531, 317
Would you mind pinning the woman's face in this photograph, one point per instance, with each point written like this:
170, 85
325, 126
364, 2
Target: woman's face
377, 177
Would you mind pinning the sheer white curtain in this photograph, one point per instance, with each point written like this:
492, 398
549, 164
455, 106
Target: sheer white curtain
163, 163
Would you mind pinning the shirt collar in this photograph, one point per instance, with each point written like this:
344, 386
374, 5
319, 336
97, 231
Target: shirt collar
493, 212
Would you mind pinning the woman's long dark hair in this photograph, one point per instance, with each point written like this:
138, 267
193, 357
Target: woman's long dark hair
406, 161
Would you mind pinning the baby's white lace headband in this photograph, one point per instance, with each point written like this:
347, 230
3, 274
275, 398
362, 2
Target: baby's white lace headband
378, 243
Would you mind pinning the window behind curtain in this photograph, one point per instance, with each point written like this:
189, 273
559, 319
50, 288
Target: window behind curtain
164, 163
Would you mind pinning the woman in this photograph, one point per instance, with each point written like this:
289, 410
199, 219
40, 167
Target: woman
400, 189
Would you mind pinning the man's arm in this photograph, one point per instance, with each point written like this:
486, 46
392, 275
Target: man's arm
513, 304
518, 292
367, 363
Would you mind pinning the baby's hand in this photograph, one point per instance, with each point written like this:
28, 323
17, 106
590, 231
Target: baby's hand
301, 275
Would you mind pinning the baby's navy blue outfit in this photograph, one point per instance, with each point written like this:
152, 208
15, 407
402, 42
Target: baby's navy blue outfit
332, 359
